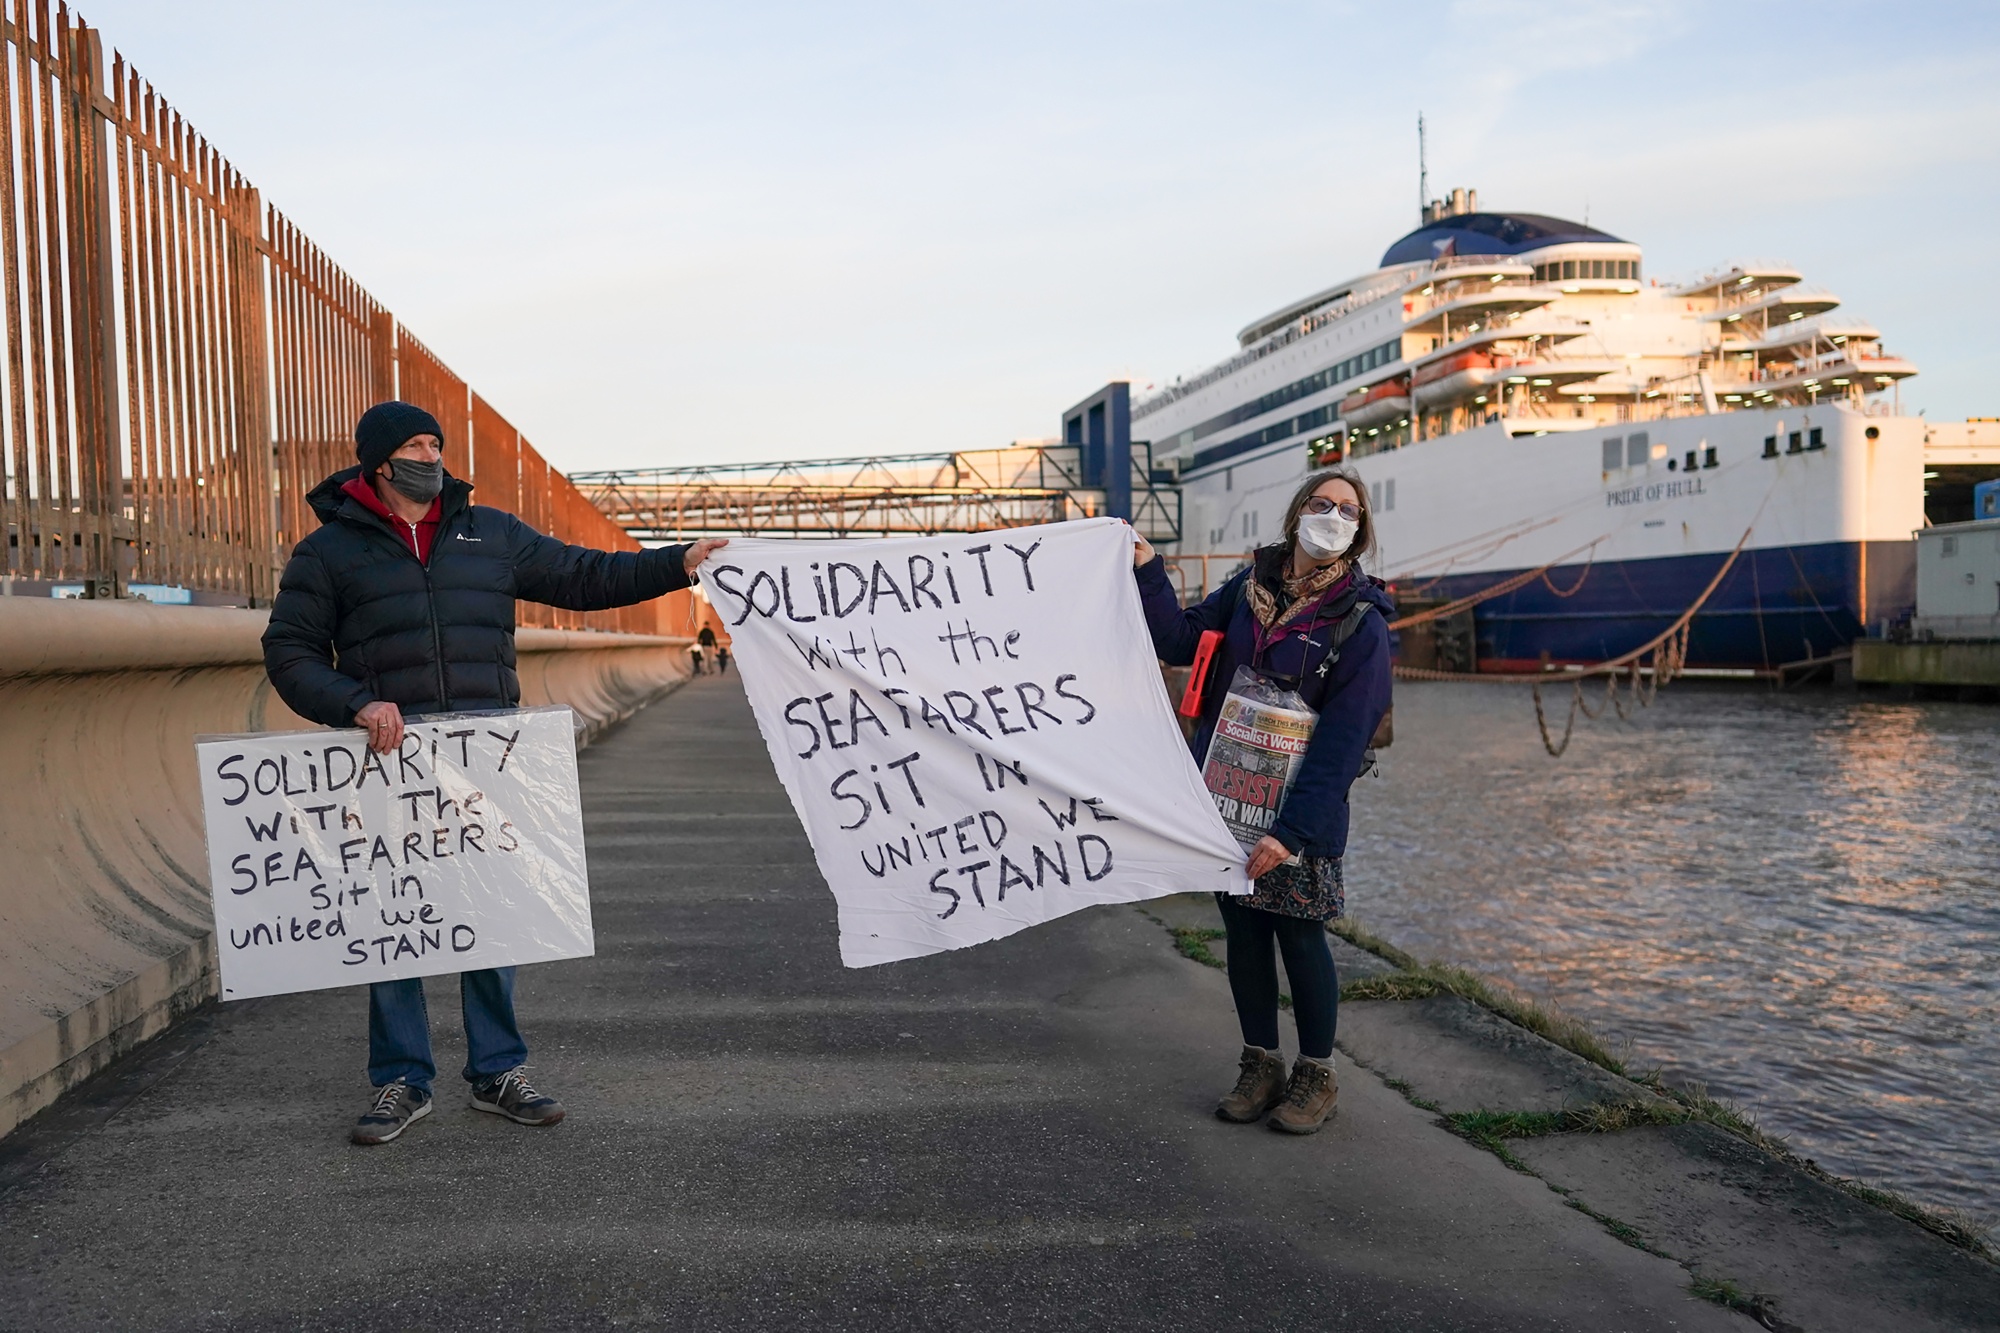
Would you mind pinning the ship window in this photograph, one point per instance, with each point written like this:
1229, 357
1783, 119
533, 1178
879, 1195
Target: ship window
1950, 546
1569, 268
1816, 439
1374, 495
1637, 450
1389, 494
1614, 453
1597, 268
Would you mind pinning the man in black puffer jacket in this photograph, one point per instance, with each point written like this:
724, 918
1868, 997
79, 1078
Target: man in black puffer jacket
403, 600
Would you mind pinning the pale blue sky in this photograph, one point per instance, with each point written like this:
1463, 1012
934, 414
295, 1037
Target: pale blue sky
659, 233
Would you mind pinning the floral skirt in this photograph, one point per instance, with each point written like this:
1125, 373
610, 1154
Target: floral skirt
1312, 889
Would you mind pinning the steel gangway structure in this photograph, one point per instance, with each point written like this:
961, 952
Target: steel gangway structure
887, 494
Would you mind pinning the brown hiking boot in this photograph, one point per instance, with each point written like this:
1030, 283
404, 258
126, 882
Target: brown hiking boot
1258, 1087
1309, 1099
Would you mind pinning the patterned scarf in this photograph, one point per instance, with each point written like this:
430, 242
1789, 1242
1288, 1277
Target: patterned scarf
1305, 593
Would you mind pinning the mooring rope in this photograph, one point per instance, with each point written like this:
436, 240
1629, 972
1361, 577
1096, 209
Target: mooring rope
1502, 588
1576, 587
1668, 651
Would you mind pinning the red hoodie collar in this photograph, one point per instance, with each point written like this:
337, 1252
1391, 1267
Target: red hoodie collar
372, 502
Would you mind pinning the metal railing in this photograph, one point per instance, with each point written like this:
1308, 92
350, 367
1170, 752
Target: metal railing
1196, 576
181, 364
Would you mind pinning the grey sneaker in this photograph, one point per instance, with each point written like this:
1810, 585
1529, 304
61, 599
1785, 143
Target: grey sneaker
513, 1096
396, 1106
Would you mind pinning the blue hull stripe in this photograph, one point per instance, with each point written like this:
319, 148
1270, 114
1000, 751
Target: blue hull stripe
1777, 605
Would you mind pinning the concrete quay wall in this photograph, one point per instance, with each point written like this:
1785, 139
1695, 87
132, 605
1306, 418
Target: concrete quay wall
106, 932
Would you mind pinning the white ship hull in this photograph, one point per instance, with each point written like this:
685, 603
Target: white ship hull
1826, 530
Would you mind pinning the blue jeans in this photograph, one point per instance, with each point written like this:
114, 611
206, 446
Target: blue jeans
399, 1029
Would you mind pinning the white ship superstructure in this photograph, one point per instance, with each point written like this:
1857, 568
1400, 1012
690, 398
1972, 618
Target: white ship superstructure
1517, 390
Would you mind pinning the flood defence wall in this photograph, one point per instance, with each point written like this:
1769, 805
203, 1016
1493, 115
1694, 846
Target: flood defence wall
106, 933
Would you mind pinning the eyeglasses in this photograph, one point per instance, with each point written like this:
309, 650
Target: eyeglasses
1347, 509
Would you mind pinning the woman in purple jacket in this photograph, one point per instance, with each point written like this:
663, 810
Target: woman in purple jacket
1293, 616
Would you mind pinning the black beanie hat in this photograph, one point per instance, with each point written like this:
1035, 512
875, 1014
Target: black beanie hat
387, 427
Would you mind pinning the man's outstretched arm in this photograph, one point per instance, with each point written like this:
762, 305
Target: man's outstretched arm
578, 578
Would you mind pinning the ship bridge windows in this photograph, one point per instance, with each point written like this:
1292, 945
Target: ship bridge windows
1588, 270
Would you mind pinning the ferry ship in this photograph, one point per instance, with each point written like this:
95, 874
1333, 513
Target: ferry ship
1520, 394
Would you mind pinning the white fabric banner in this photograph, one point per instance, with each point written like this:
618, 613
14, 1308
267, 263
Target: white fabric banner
331, 865
972, 728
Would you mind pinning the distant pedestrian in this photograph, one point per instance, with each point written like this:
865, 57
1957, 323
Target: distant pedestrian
695, 654
712, 649
403, 599
1282, 616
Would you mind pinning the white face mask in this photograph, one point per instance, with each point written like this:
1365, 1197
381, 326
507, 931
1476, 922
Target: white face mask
1324, 536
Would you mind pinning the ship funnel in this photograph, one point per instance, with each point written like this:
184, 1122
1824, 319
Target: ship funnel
1460, 202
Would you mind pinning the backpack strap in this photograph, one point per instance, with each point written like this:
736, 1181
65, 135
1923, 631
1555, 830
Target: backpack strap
1343, 631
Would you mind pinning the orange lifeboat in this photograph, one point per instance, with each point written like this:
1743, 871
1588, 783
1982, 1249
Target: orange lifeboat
1377, 405
1453, 377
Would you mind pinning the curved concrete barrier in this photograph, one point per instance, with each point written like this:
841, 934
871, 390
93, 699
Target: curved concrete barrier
105, 926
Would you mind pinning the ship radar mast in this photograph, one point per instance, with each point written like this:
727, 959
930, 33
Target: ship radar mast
1456, 204
1423, 174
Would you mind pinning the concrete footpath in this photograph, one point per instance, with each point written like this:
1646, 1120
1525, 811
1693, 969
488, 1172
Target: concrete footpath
1014, 1135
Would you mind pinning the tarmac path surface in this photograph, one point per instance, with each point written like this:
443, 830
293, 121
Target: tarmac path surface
1014, 1135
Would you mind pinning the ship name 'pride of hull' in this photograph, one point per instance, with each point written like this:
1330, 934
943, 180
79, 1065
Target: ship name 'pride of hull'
1517, 392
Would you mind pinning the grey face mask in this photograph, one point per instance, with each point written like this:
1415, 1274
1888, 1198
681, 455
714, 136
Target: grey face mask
420, 481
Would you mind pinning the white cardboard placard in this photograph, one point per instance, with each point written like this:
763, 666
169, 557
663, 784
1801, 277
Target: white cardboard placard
331, 865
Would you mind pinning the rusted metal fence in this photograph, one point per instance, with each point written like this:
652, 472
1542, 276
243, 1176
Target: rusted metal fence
182, 365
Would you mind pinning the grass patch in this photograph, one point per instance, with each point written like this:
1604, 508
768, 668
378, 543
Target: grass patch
1605, 1118
1420, 980
1395, 986
1410, 1094
1727, 1294
1960, 1228
1507, 1124
1623, 1231
1693, 1097
1361, 937
1192, 942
